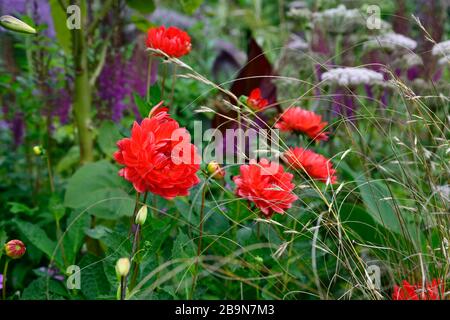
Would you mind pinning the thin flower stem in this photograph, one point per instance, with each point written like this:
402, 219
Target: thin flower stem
149, 76
174, 77
135, 248
199, 246
123, 287
163, 82
5, 271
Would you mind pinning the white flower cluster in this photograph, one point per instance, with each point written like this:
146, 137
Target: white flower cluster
441, 48
352, 76
339, 19
412, 59
340, 12
297, 43
299, 9
392, 41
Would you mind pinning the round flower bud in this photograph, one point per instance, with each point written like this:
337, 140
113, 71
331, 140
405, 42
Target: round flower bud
122, 267
215, 171
141, 216
37, 150
14, 24
15, 249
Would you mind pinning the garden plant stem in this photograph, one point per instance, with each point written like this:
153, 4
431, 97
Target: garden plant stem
199, 246
5, 271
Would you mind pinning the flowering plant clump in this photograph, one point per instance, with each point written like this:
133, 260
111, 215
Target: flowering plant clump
303, 121
315, 165
256, 101
149, 158
431, 291
172, 41
267, 185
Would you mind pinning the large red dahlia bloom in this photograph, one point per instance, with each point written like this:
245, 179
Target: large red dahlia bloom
266, 185
307, 122
172, 41
431, 291
159, 157
315, 165
256, 101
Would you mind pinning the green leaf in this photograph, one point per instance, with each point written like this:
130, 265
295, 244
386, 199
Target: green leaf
155, 95
40, 240
97, 188
143, 107
108, 137
375, 196
183, 247
189, 6
75, 234
17, 207
43, 289
63, 35
70, 159
93, 280
143, 6
360, 223
3, 238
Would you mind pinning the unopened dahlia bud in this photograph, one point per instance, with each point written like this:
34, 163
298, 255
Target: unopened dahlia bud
122, 267
37, 150
141, 216
14, 24
15, 249
215, 171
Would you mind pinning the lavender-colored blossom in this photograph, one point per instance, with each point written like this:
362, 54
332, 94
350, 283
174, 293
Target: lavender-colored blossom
52, 273
1, 281
413, 72
17, 127
118, 81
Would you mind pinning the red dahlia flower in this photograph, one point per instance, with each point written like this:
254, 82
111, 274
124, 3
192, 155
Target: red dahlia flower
256, 101
15, 249
172, 41
315, 165
266, 185
307, 122
159, 157
433, 291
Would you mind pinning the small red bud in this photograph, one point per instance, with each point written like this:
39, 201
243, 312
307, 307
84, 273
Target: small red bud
15, 249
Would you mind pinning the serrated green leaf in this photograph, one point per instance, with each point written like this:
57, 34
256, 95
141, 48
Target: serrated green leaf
40, 240
43, 289
93, 280
74, 236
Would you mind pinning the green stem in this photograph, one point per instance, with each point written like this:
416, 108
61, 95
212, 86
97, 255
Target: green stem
82, 97
149, 77
135, 249
174, 77
123, 288
200, 238
163, 82
5, 271
50, 175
